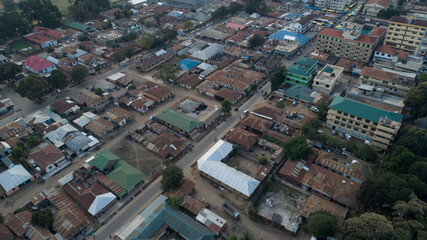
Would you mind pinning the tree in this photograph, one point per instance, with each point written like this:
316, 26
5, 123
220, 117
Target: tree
256, 6
166, 72
9, 5
297, 148
422, 77
414, 139
79, 73
280, 104
278, 78
415, 100
234, 7
231, 237
219, 13
389, 13
8, 71
226, 106
83, 37
323, 108
98, 91
172, 178
19, 153
188, 25
42, 218
246, 235
33, 139
263, 160
1, 218
128, 52
50, 49
369, 226
366, 153
13, 23
42, 11
118, 56
419, 169
256, 40
321, 224
57, 79
399, 160
31, 86
147, 40
175, 202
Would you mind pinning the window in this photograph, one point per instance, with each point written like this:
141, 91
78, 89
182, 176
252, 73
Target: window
356, 129
345, 114
366, 120
350, 121
338, 118
365, 126
363, 131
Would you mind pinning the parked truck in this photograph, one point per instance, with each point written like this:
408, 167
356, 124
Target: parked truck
230, 210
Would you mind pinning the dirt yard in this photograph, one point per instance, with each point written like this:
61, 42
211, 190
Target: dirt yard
138, 156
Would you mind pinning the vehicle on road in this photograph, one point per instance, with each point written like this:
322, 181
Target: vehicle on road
236, 109
231, 210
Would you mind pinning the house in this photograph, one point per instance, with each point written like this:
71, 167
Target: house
210, 165
389, 53
110, 13
88, 192
127, 25
294, 171
258, 124
236, 78
18, 222
13, 132
158, 216
38, 65
373, 7
3, 59
14, 178
45, 37
119, 116
207, 53
99, 127
304, 24
246, 140
214, 34
85, 119
69, 136
303, 94
39, 232
5, 232
47, 158
190, 81
301, 72
141, 104
155, 60
65, 106
330, 185
228, 94
117, 170
90, 99
167, 145
327, 79
179, 122
389, 82
156, 91
316, 204
212, 221
282, 35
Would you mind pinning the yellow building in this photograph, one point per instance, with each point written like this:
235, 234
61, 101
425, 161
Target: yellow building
363, 121
405, 34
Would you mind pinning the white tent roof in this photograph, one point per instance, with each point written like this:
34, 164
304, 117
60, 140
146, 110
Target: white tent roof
208, 52
210, 164
13, 177
100, 202
204, 66
116, 76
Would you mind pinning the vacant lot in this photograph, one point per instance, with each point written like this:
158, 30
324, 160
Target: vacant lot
138, 156
62, 5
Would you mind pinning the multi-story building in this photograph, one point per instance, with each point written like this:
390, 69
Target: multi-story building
406, 34
378, 126
332, 4
350, 42
304, 24
373, 7
328, 79
391, 83
301, 72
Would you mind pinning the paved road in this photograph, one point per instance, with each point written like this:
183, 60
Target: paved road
144, 198
27, 106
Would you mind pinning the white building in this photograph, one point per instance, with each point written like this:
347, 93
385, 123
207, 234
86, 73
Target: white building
332, 4
372, 7
328, 79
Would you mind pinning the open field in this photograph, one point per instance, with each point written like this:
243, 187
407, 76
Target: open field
62, 6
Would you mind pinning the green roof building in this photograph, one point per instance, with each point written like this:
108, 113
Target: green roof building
300, 93
119, 171
76, 25
375, 125
301, 72
179, 121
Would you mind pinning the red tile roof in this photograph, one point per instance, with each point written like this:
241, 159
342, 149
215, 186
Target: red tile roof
5, 233
19, 222
235, 25
46, 156
49, 32
37, 63
392, 51
331, 32
376, 32
383, 3
367, 39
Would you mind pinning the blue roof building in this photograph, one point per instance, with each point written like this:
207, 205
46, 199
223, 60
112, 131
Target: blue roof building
157, 215
187, 64
282, 35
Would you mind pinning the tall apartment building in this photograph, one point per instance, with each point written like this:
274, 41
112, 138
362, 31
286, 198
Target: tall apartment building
406, 34
350, 42
301, 72
328, 79
332, 4
378, 126
391, 83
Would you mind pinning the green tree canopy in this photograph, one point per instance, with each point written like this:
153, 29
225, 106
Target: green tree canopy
31, 86
98, 91
81, 9
42, 218
255, 41
79, 73
172, 177
19, 153
57, 79
323, 108
263, 160
231, 237
8, 71
175, 202
297, 148
366, 153
422, 77
188, 24
118, 56
389, 12
278, 78
321, 224
147, 40
128, 52
9, 5
257, 6
226, 106
415, 100
414, 139
166, 72
42, 11
369, 226
13, 23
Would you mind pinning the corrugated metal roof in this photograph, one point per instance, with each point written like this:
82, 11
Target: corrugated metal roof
14, 177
